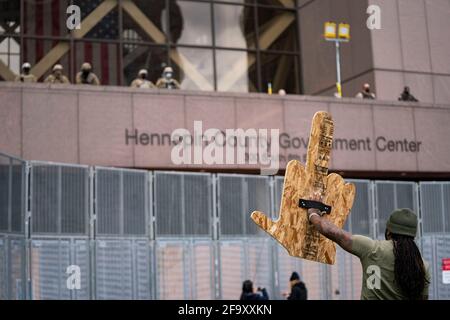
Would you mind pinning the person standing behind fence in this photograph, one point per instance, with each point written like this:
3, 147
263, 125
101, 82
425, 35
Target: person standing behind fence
393, 269
86, 76
298, 288
167, 81
248, 292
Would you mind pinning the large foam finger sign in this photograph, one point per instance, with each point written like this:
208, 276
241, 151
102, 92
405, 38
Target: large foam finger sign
292, 229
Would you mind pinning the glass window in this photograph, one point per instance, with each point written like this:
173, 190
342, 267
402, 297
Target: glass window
153, 28
104, 58
45, 18
277, 29
9, 27
108, 26
236, 71
224, 45
279, 3
236, 1
10, 53
135, 58
196, 23
193, 68
9, 17
282, 71
234, 26
10, 20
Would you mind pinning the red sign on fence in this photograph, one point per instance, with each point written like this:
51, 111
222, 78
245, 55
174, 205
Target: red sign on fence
446, 271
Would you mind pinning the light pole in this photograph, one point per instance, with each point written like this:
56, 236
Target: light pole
337, 35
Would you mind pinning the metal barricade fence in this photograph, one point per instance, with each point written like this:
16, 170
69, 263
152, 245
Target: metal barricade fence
245, 252
13, 264
435, 241
346, 273
122, 249
183, 204
390, 195
245, 259
59, 234
346, 277
122, 269
50, 260
184, 231
135, 234
237, 197
185, 269
313, 274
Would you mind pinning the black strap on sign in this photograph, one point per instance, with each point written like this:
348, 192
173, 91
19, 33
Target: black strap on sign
307, 204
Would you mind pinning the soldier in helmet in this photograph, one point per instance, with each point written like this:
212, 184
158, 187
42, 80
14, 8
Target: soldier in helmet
167, 81
26, 76
57, 75
86, 76
141, 81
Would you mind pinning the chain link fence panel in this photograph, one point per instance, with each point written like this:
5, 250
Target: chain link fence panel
140, 235
13, 191
51, 275
122, 269
238, 196
390, 195
183, 204
122, 203
245, 259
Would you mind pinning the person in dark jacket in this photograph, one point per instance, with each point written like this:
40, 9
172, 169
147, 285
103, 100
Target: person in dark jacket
248, 293
298, 288
407, 96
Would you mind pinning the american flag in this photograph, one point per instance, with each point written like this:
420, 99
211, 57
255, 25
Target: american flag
48, 18
44, 18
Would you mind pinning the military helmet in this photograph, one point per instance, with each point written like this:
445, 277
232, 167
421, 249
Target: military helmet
86, 66
57, 67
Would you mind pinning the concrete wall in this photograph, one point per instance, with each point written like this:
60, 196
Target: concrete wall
411, 49
318, 55
88, 125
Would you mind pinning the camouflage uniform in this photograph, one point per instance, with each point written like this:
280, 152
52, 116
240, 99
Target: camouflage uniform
142, 83
54, 79
168, 84
91, 79
26, 78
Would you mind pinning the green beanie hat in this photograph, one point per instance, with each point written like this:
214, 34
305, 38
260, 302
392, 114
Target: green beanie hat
402, 221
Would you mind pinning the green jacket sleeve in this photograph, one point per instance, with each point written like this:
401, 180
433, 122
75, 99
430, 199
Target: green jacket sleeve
362, 246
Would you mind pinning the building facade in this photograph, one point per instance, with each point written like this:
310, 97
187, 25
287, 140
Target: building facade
87, 176
238, 46
224, 46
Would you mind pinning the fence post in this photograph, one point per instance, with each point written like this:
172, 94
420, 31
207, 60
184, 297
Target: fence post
216, 237
91, 238
27, 228
150, 217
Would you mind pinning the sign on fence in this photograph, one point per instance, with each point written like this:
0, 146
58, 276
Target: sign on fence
446, 271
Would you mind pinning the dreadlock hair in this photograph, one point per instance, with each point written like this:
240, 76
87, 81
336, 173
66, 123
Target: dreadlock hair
409, 270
